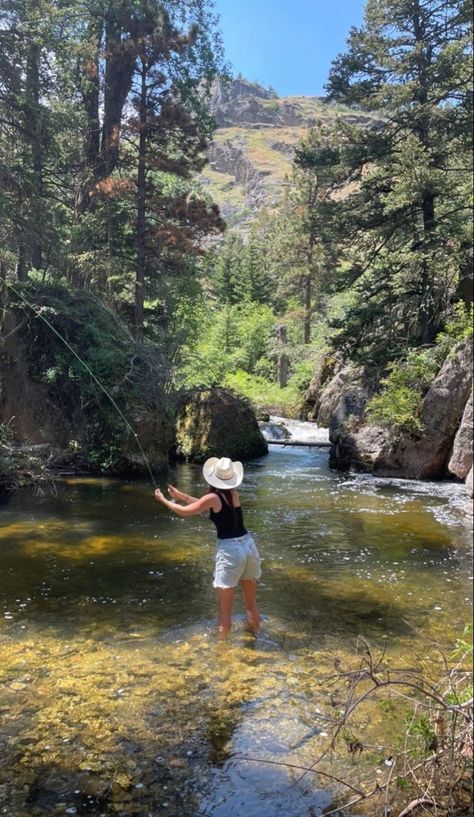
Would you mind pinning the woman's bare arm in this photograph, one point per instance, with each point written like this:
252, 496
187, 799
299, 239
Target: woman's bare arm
206, 503
176, 494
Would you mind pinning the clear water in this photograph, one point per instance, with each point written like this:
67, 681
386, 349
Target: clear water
115, 697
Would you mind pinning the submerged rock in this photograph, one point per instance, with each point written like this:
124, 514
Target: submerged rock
217, 423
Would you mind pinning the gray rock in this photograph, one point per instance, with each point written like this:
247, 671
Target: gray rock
342, 397
274, 431
217, 423
441, 414
426, 456
470, 483
461, 457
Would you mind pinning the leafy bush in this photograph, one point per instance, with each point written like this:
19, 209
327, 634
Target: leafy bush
398, 404
263, 393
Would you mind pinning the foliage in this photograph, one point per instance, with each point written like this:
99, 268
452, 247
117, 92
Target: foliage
20, 466
426, 754
264, 393
404, 219
397, 406
91, 345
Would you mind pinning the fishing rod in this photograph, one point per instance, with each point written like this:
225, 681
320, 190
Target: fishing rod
94, 377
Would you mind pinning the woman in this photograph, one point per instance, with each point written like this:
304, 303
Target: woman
237, 558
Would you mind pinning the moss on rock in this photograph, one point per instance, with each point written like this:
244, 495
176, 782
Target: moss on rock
47, 396
217, 423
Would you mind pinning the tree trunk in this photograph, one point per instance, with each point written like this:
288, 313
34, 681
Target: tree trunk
90, 86
283, 364
141, 210
308, 298
465, 286
428, 319
34, 130
120, 62
21, 269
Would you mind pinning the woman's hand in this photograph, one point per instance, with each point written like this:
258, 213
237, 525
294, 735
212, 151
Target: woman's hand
174, 493
159, 496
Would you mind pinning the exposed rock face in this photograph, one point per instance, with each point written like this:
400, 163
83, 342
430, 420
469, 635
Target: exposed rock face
240, 102
461, 458
427, 456
344, 396
229, 157
216, 423
48, 399
253, 147
470, 483
228, 98
326, 368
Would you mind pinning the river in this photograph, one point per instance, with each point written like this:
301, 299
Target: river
116, 698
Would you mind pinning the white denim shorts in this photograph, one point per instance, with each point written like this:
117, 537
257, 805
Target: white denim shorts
236, 559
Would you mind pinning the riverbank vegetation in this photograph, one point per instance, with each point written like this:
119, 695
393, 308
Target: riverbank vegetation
366, 255
369, 252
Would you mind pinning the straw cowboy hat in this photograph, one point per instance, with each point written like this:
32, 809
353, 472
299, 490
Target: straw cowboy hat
223, 473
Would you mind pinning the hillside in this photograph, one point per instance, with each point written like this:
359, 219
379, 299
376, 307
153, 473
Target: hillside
252, 150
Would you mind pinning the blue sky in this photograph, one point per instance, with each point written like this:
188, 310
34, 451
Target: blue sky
289, 45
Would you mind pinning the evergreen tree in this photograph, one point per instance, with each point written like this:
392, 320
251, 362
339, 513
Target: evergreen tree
226, 269
405, 220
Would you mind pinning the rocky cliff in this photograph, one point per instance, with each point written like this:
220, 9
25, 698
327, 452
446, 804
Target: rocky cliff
49, 399
443, 448
252, 150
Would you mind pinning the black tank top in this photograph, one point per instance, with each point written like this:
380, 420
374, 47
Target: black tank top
228, 521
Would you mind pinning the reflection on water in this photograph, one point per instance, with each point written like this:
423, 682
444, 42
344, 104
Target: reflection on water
116, 698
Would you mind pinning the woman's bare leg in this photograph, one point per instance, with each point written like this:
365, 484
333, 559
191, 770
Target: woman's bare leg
225, 597
249, 595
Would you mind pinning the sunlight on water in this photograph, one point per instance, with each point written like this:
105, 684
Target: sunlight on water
116, 698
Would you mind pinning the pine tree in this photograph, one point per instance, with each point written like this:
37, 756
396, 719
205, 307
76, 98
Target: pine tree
405, 221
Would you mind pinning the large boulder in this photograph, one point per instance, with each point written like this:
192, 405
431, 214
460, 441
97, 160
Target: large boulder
461, 456
217, 423
326, 368
442, 410
470, 483
424, 456
49, 397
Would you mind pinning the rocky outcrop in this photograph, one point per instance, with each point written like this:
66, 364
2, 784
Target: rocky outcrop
470, 483
217, 423
326, 368
240, 103
229, 157
426, 456
250, 157
461, 457
230, 97
49, 399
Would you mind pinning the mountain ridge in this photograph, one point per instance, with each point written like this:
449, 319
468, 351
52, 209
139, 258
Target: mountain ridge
251, 154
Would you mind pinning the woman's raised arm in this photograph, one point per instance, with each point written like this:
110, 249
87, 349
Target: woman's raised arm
198, 506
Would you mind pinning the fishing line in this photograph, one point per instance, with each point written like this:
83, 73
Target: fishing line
96, 380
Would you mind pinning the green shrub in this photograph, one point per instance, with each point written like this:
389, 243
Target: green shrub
398, 404
263, 393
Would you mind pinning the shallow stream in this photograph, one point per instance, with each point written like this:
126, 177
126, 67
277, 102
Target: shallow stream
115, 697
